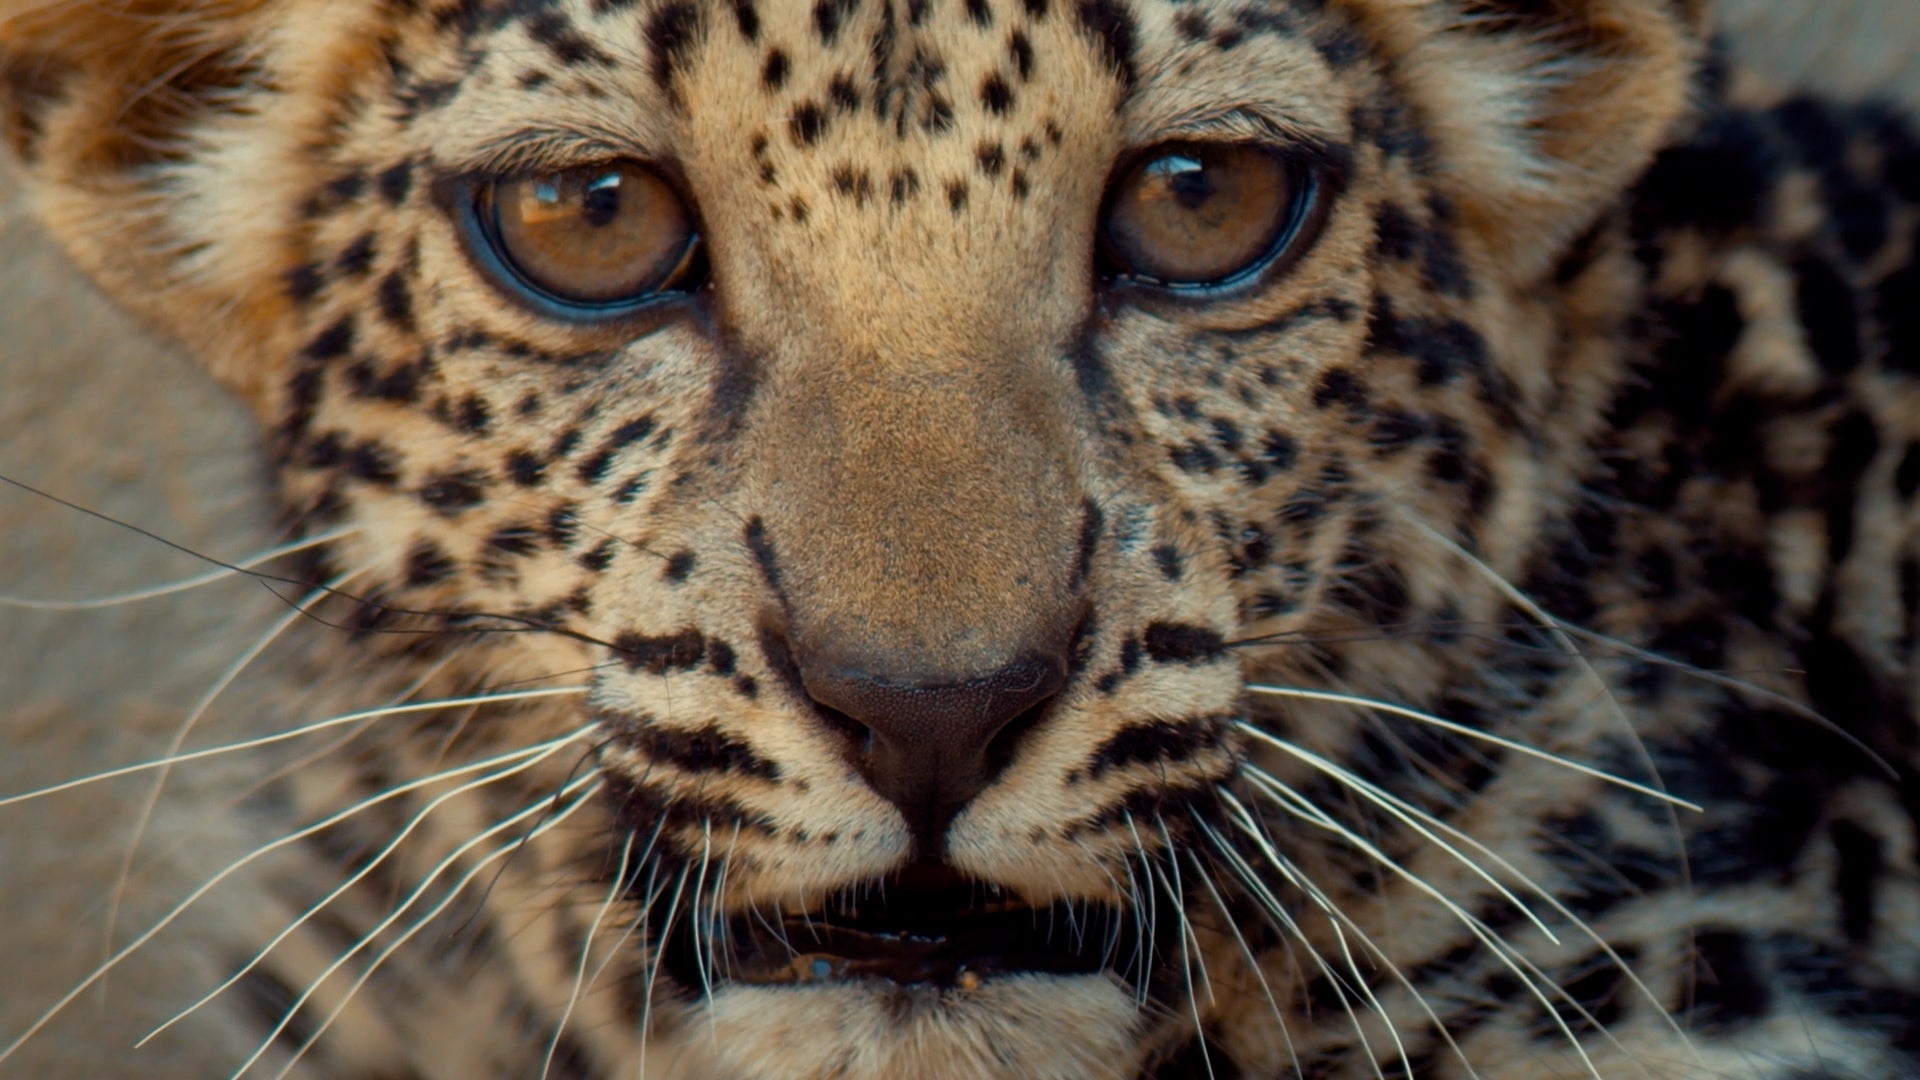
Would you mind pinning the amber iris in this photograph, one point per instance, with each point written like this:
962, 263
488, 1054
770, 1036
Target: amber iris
1196, 215
600, 235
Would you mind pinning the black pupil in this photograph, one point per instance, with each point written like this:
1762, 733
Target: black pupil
1186, 178
600, 203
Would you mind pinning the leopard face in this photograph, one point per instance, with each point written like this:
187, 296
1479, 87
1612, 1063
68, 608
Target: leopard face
904, 549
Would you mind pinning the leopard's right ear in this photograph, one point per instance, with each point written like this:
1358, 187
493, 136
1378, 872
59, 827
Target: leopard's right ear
146, 131
94, 89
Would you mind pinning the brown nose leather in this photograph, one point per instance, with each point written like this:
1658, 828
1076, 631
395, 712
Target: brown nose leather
933, 748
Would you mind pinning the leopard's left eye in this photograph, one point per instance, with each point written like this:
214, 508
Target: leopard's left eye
1190, 216
597, 237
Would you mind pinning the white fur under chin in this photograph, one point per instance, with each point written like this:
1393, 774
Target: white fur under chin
1031, 1027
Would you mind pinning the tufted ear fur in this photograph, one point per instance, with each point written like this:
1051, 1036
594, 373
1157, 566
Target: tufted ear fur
1541, 110
138, 125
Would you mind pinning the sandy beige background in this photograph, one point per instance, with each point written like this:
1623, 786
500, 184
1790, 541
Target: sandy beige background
96, 412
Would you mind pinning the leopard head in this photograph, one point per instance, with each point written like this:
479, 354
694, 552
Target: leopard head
909, 424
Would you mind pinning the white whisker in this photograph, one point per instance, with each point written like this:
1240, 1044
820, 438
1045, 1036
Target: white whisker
534, 756
1284, 918
586, 954
1407, 814
1508, 957
153, 592
1246, 950
1189, 946
118, 892
653, 968
589, 781
283, 736
1472, 733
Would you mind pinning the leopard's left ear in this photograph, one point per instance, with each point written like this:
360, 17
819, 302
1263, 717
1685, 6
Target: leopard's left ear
1541, 111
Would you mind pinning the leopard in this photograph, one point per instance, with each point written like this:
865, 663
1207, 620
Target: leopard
948, 539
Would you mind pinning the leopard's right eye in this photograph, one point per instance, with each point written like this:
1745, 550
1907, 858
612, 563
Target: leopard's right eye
600, 236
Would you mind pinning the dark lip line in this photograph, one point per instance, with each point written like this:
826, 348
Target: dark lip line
949, 937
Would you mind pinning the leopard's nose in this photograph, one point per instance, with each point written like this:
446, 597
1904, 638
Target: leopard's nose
933, 746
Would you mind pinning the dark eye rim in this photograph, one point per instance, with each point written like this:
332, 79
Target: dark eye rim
1316, 176
467, 199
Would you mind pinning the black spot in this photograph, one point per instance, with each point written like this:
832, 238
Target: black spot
747, 17
903, 185
335, 341
1857, 876
396, 304
1717, 181
809, 123
1906, 478
843, 94
1728, 989
761, 546
525, 467
720, 658
1167, 558
991, 157
670, 37
357, 257
427, 563
979, 12
514, 540
1441, 348
533, 80
304, 282
1342, 386
598, 557
957, 195
1109, 24
1194, 457
1828, 311
372, 462
1395, 234
563, 525
1280, 450
1021, 49
1182, 643
473, 416
1090, 522
557, 34
631, 432
679, 565
593, 468
453, 492
996, 96
273, 1005
829, 14
773, 73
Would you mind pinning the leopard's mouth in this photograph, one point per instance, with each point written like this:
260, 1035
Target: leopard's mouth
925, 926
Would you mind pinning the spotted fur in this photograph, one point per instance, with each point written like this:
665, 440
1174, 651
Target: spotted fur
1587, 431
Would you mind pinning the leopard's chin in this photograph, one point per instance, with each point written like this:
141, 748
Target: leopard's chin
927, 974
1047, 1027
